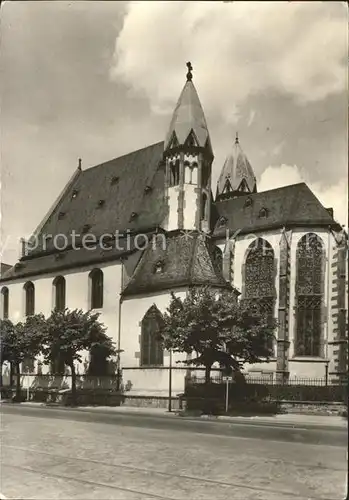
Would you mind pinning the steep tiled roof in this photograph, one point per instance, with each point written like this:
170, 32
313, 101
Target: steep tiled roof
126, 193
188, 116
72, 258
290, 205
4, 268
133, 194
237, 173
182, 261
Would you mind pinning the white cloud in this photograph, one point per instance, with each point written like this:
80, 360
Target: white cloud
251, 117
334, 196
237, 49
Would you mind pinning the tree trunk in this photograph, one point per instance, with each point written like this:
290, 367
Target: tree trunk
11, 375
18, 382
207, 374
73, 385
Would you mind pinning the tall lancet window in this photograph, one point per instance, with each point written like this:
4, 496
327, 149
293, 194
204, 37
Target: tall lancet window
194, 173
259, 279
190, 172
218, 258
29, 291
174, 173
96, 289
151, 349
59, 293
309, 295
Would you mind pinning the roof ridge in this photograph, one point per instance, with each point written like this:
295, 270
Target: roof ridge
123, 156
141, 262
192, 259
268, 191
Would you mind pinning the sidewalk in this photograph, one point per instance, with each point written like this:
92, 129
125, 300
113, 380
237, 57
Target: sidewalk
289, 419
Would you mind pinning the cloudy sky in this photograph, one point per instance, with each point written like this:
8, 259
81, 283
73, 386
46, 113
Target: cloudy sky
99, 79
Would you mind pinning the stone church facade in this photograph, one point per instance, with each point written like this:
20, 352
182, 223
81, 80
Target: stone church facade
125, 234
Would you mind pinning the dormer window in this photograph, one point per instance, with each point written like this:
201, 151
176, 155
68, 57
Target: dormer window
134, 216
148, 189
101, 203
263, 213
222, 221
248, 202
86, 228
74, 194
61, 215
159, 267
114, 180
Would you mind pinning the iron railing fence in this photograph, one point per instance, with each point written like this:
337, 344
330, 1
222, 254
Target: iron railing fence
270, 380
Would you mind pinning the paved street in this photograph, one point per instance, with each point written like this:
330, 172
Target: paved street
64, 454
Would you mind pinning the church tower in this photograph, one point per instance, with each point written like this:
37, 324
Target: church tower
237, 177
188, 157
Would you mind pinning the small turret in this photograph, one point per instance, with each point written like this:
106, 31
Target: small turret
188, 156
237, 177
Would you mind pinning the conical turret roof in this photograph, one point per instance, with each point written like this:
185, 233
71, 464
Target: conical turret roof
188, 117
237, 175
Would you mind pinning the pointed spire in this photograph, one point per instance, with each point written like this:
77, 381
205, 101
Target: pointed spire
188, 118
237, 176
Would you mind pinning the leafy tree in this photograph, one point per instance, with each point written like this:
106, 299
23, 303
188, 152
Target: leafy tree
212, 327
20, 341
68, 333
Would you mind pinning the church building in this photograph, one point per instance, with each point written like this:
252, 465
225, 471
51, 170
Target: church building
125, 234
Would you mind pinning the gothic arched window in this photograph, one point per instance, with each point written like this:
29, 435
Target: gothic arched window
151, 349
4, 302
59, 293
259, 279
174, 173
309, 295
96, 287
29, 291
218, 258
194, 173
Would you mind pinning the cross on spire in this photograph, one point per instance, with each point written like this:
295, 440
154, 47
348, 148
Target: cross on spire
189, 74
237, 138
